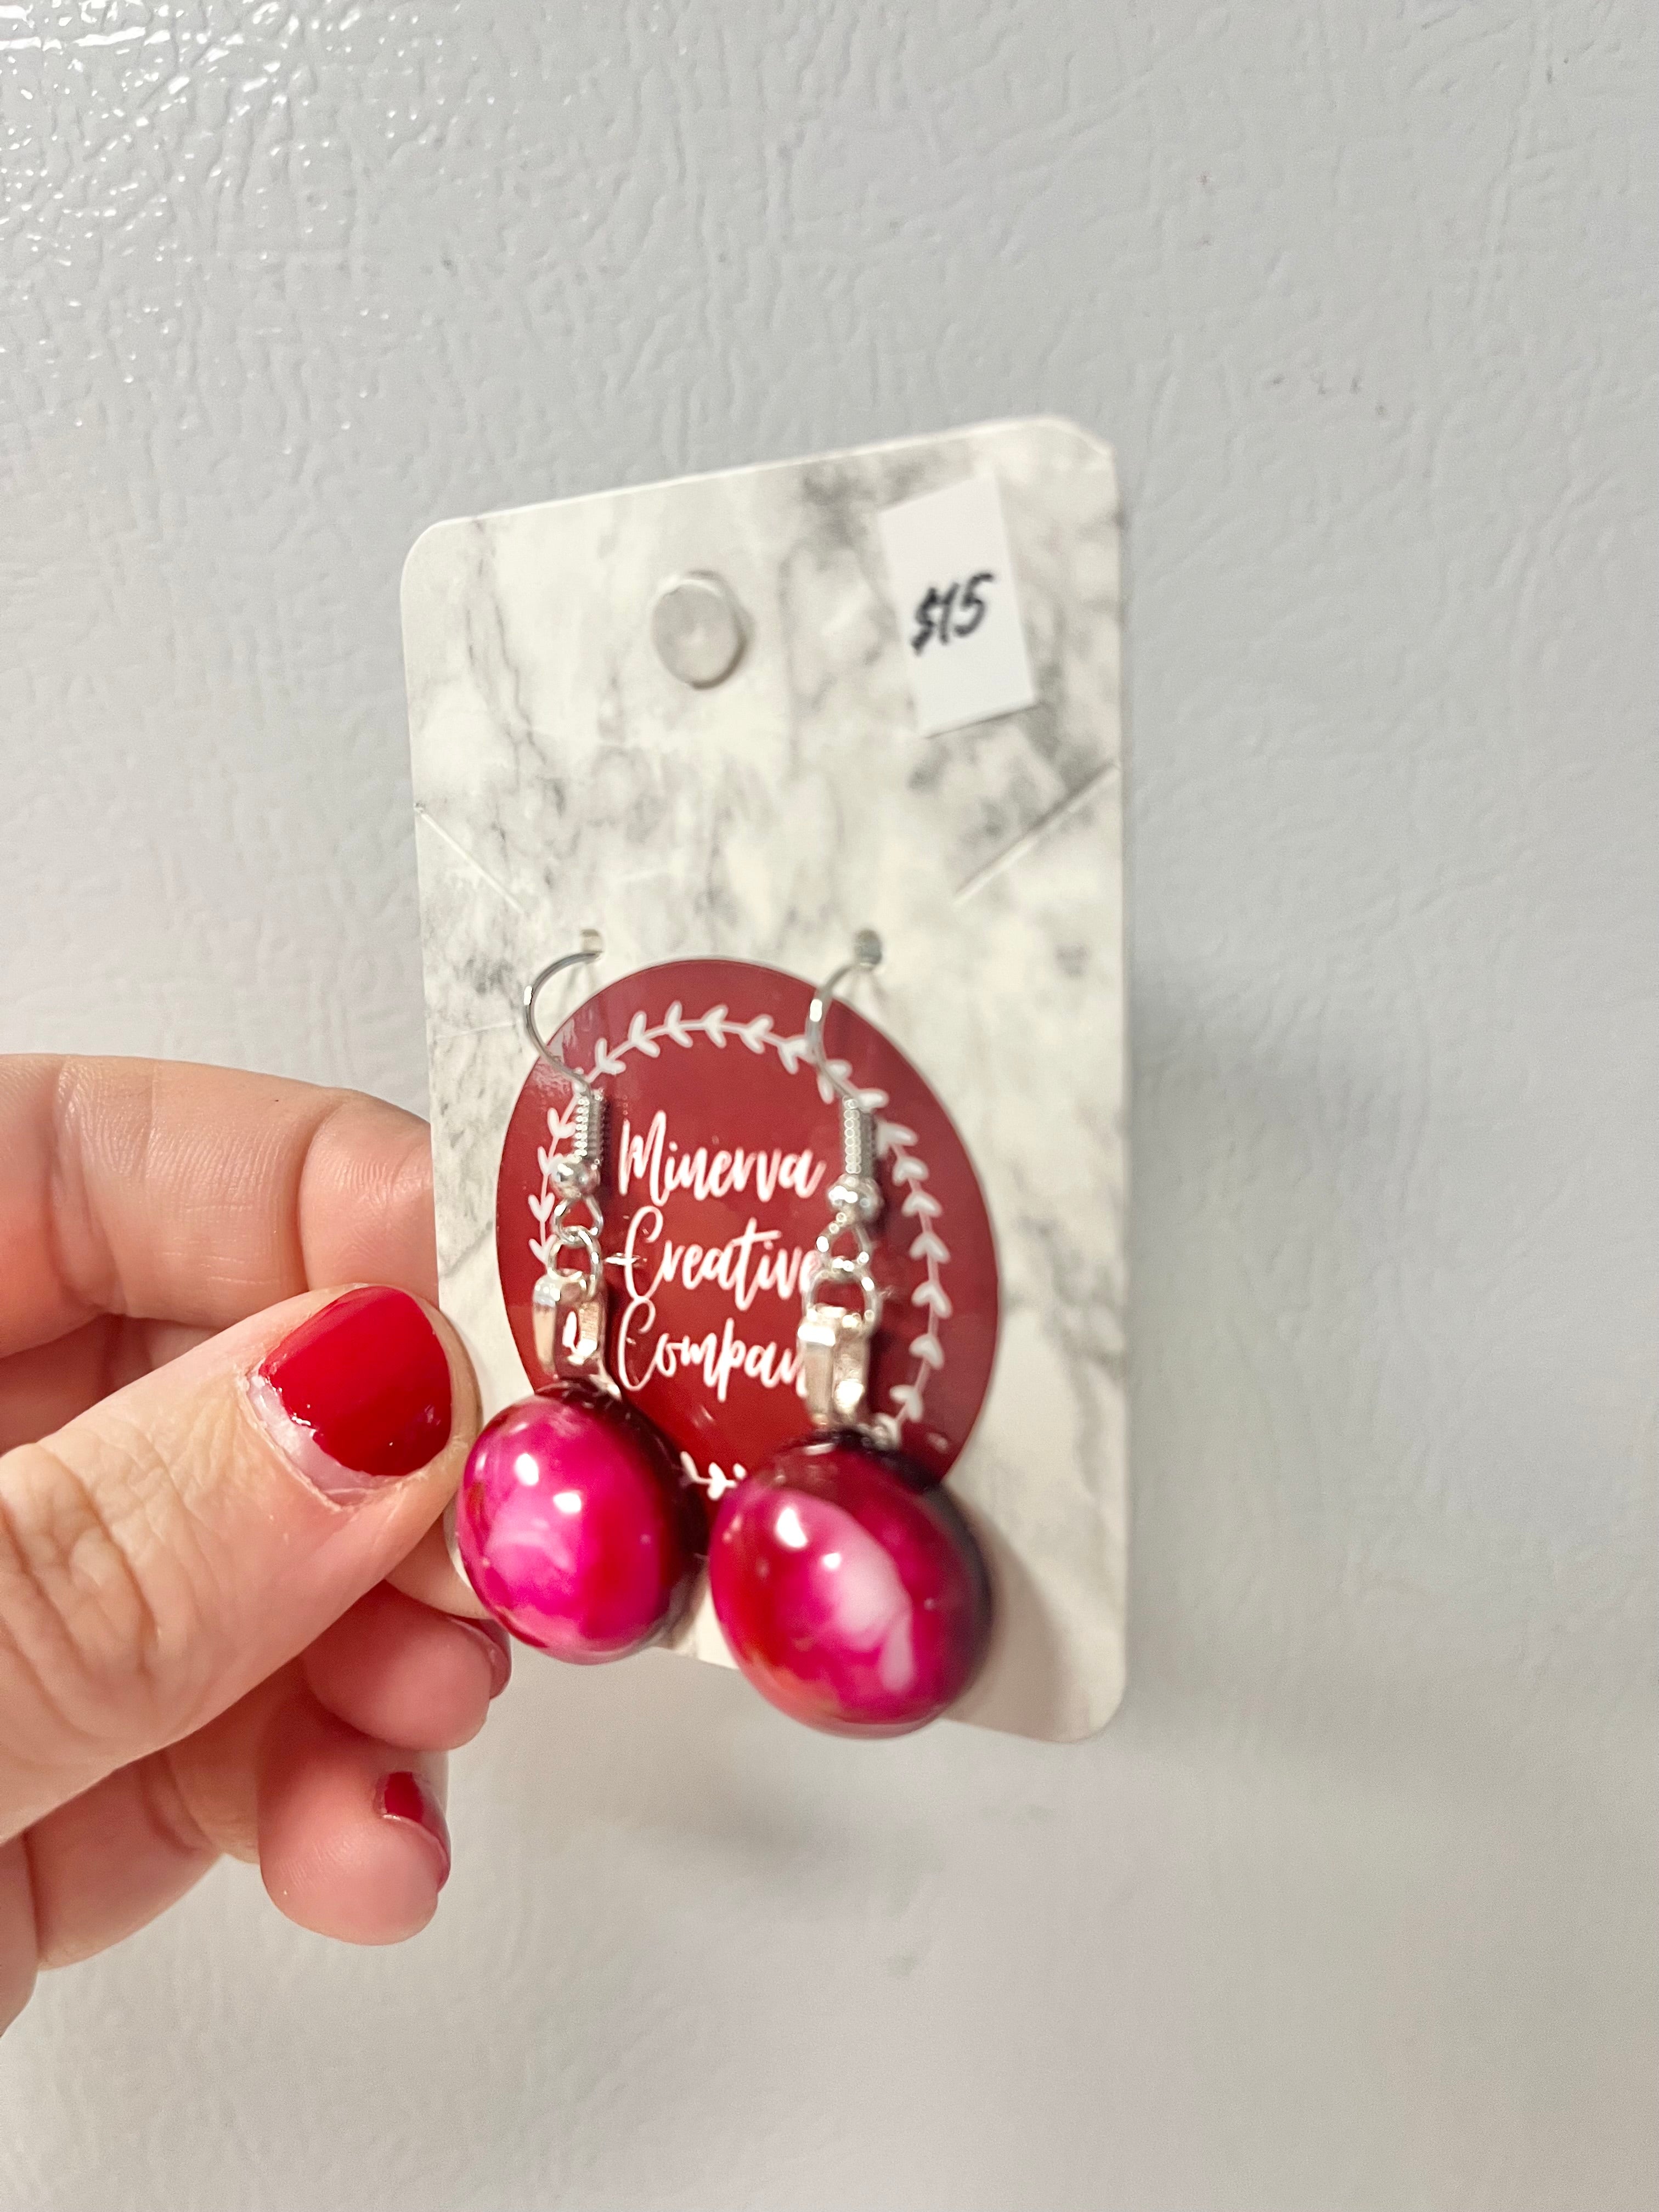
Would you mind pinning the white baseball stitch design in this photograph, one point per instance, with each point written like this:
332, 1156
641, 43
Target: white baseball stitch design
893, 1144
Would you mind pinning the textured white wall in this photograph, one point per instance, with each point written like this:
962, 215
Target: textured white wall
1354, 1904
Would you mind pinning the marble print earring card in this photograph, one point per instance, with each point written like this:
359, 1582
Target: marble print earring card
733, 719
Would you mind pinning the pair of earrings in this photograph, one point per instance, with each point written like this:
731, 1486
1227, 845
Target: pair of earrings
850, 1588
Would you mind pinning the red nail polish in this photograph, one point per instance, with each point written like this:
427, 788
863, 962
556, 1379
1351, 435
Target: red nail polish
495, 1642
404, 1796
358, 1393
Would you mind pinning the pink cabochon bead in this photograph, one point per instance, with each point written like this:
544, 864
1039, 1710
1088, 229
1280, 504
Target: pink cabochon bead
572, 1527
851, 1593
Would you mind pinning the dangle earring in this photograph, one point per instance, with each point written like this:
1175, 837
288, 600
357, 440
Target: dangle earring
850, 1590
572, 1523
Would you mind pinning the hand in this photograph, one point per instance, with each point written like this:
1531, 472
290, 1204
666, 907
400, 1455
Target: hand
215, 1469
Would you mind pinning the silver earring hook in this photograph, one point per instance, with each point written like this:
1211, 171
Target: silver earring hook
834, 1343
857, 1187
866, 956
592, 945
577, 1174
568, 1308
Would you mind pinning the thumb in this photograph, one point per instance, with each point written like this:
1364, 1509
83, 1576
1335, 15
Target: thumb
172, 1546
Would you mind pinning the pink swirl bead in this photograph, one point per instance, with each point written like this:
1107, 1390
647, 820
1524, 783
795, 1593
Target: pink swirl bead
851, 1592
572, 1526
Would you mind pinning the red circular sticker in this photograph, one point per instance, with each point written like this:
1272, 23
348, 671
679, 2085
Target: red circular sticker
721, 1146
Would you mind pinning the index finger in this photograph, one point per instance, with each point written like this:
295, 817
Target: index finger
197, 1195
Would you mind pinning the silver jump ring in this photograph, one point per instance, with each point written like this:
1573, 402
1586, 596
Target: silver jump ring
843, 1226
839, 1268
559, 1227
572, 1238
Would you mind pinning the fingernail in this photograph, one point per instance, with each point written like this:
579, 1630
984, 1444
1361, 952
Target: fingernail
404, 1796
358, 1394
495, 1642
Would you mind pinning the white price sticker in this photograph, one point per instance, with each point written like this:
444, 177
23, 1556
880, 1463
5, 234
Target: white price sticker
958, 612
